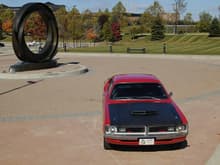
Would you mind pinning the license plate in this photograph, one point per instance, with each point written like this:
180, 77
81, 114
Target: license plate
146, 141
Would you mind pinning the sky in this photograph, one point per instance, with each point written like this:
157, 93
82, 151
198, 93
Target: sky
136, 6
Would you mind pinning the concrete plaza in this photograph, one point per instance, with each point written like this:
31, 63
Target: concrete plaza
59, 120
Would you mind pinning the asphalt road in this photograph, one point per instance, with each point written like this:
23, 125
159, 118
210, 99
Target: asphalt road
59, 121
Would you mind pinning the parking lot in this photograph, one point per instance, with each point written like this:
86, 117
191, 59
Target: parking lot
59, 120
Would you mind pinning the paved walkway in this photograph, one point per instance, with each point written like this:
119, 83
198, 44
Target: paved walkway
215, 158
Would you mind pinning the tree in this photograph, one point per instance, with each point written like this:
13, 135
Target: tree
6, 14
205, 20
146, 20
116, 31
150, 14
88, 20
157, 29
188, 19
107, 32
7, 26
214, 30
111, 31
179, 8
35, 27
75, 24
118, 12
133, 32
155, 9
102, 19
62, 20
91, 35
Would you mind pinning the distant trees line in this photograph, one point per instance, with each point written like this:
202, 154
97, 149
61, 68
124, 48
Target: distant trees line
110, 26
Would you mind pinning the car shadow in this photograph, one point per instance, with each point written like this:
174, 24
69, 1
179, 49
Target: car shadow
156, 148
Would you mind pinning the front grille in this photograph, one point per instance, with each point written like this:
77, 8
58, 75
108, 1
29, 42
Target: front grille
135, 129
145, 129
158, 129
131, 129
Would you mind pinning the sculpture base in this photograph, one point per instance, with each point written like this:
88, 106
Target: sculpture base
27, 66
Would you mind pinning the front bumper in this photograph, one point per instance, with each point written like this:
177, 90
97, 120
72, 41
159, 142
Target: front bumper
136, 142
133, 138
156, 135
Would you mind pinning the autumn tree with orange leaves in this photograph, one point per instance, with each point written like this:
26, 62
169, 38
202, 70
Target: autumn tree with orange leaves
7, 26
35, 27
91, 35
6, 17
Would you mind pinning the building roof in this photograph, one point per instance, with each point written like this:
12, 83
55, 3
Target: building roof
53, 6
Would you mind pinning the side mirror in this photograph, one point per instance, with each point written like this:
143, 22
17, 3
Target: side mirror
171, 94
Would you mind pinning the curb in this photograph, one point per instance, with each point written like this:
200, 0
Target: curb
160, 56
79, 69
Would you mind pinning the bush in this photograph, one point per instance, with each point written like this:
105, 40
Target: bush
214, 29
157, 29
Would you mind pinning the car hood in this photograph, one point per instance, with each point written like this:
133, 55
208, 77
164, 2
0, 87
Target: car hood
143, 114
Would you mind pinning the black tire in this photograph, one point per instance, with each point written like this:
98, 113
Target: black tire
106, 145
21, 50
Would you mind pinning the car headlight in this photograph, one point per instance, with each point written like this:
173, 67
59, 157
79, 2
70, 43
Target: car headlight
110, 129
182, 128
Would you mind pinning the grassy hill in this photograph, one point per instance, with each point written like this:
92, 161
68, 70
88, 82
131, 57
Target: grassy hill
176, 44
193, 44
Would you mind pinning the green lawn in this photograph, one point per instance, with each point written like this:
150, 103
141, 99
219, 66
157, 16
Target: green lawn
176, 44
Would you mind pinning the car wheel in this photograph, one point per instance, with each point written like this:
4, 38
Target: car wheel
106, 145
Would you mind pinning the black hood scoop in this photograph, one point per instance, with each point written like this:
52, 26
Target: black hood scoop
143, 114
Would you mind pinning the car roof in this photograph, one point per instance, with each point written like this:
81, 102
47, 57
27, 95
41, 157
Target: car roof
135, 78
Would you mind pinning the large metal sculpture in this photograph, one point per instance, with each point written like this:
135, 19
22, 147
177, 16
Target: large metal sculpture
19, 44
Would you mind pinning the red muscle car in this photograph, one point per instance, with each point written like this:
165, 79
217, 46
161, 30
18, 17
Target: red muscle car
137, 110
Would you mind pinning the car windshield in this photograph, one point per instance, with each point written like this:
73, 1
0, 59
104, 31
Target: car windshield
138, 91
